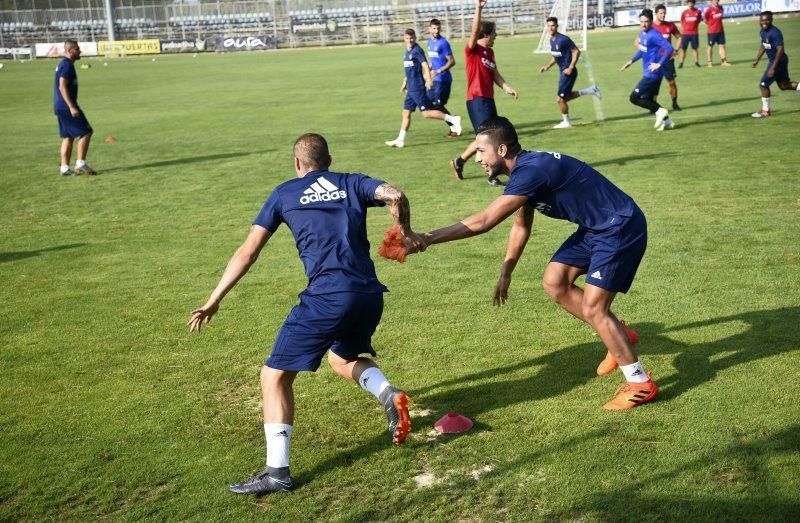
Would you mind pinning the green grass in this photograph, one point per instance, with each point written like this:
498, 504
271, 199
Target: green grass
110, 408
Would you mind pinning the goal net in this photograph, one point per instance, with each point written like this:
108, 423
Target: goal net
114, 51
571, 16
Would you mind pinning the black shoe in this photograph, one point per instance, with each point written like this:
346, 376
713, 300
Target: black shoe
395, 403
680, 65
676, 107
697, 64
262, 484
495, 182
457, 164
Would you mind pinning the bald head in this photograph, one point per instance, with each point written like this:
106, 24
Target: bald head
311, 150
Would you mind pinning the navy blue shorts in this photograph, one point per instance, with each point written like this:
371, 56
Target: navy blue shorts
72, 127
343, 322
609, 258
648, 87
419, 99
480, 109
781, 73
689, 39
566, 83
669, 69
716, 38
440, 93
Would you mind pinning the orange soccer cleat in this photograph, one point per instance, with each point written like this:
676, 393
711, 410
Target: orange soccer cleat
630, 395
609, 363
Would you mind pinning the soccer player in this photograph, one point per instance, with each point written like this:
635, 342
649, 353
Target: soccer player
416, 82
654, 51
778, 66
608, 245
482, 74
72, 123
565, 53
716, 33
668, 30
340, 308
690, 20
442, 60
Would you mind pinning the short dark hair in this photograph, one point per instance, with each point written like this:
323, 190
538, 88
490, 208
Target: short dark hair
69, 43
436, 22
485, 28
552, 19
312, 151
411, 32
766, 13
501, 131
690, 1
661, 7
647, 13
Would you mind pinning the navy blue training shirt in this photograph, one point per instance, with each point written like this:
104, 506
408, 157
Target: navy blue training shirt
565, 188
412, 63
327, 214
561, 48
66, 70
770, 40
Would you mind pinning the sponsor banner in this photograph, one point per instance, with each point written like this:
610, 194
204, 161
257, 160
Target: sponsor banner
56, 50
732, 10
627, 17
12, 52
183, 46
130, 46
780, 6
245, 43
323, 26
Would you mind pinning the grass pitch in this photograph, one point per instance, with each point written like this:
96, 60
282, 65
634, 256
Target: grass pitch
111, 409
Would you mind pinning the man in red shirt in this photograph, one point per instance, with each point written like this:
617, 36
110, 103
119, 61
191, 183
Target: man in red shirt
716, 34
690, 20
482, 74
668, 30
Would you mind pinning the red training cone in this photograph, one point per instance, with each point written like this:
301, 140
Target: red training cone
453, 423
111, 138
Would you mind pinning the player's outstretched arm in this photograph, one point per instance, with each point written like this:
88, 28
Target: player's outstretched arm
517, 239
400, 209
244, 257
479, 223
476, 24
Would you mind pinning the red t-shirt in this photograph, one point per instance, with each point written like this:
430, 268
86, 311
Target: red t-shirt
713, 18
690, 20
480, 72
667, 29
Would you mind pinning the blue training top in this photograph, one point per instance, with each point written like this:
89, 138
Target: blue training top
327, 214
654, 48
771, 40
66, 70
561, 48
439, 50
412, 63
565, 188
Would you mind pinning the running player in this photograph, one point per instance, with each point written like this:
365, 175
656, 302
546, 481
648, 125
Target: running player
442, 60
778, 66
668, 30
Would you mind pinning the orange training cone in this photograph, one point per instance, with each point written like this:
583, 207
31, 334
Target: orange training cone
453, 423
111, 138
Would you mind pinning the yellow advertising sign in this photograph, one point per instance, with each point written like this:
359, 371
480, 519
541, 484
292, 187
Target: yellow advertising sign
130, 46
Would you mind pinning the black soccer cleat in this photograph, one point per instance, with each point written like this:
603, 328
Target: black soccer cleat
676, 107
395, 404
457, 164
261, 484
680, 65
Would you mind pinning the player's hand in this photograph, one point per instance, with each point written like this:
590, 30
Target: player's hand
415, 243
625, 66
480, 4
202, 316
654, 67
568, 71
755, 63
434, 73
511, 91
501, 291
771, 73
543, 69
74, 111
428, 84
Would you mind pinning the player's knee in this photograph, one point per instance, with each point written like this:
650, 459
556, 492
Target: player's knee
592, 313
634, 98
559, 99
556, 289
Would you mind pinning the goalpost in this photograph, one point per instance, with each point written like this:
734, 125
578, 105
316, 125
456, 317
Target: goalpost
112, 50
572, 21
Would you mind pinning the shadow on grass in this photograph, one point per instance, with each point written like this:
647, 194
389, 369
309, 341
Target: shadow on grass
625, 159
185, 161
14, 256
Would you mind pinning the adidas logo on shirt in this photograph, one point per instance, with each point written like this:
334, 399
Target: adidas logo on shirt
596, 275
322, 191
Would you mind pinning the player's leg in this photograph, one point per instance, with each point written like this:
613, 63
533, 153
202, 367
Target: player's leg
66, 155
454, 122
479, 109
361, 318
696, 50
782, 76
83, 149
763, 86
405, 124
682, 50
723, 53
710, 52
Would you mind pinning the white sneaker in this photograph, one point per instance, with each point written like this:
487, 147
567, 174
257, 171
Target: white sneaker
395, 143
761, 114
596, 92
563, 125
661, 115
455, 127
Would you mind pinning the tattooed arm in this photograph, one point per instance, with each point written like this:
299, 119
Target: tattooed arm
398, 205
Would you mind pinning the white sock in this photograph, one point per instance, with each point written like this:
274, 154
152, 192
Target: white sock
373, 381
798, 86
401, 136
449, 118
634, 372
588, 90
80, 163
565, 117
279, 438
765, 103
64, 168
